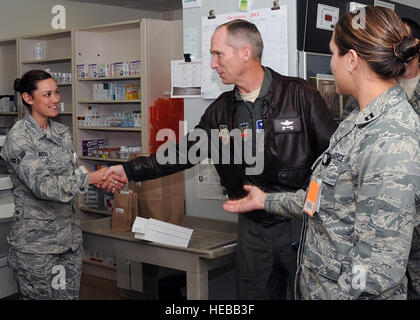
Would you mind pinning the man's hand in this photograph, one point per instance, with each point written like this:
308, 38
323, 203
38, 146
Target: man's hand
113, 183
253, 201
113, 179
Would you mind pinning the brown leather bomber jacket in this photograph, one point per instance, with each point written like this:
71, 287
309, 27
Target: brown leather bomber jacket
297, 128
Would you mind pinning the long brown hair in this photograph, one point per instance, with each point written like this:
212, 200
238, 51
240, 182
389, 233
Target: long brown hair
379, 37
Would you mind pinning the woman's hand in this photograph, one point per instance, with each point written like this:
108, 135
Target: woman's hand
253, 201
112, 183
113, 179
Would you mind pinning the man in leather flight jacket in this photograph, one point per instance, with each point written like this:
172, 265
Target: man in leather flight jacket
297, 128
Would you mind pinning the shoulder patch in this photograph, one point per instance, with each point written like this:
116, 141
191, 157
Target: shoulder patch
18, 159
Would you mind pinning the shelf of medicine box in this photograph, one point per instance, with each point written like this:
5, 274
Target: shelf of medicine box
7, 113
51, 60
93, 210
110, 101
132, 129
67, 113
64, 84
103, 159
133, 77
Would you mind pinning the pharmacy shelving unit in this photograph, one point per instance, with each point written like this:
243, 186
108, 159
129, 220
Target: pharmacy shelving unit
8, 73
155, 43
57, 57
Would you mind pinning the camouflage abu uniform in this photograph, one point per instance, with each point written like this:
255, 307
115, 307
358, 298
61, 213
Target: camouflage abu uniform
351, 103
415, 99
413, 267
357, 245
46, 231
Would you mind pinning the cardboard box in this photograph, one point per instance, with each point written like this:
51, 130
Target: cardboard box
92, 70
162, 199
81, 70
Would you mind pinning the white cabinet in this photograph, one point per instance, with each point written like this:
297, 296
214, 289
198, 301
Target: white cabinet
57, 60
109, 61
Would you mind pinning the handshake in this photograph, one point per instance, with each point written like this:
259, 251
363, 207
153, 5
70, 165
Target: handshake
111, 179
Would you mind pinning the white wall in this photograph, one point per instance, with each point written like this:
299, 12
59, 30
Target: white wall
23, 17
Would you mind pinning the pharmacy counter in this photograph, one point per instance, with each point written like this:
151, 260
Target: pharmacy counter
212, 245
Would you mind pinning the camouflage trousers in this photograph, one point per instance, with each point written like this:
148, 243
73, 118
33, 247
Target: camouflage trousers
413, 267
47, 276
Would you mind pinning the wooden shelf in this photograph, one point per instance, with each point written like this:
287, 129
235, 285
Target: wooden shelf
8, 113
87, 209
99, 264
109, 101
58, 57
135, 77
103, 159
129, 129
51, 60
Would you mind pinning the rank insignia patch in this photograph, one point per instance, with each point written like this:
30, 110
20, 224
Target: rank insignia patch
224, 133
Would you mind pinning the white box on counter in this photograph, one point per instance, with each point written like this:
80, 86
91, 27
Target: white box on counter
161, 232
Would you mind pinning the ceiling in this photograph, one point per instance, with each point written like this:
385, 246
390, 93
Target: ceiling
148, 5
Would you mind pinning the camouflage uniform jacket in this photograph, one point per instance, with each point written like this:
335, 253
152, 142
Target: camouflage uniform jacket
351, 103
41, 164
415, 99
357, 245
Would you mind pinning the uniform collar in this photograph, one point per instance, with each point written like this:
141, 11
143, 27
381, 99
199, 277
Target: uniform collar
265, 86
380, 105
416, 96
53, 128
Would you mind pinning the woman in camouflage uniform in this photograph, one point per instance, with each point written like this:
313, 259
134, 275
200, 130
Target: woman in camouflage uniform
410, 81
45, 239
360, 209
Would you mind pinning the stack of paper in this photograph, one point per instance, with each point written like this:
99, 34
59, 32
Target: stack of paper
161, 232
7, 205
5, 182
2, 138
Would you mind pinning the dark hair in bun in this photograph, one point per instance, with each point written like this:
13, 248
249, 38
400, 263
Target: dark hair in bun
380, 39
28, 82
407, 49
